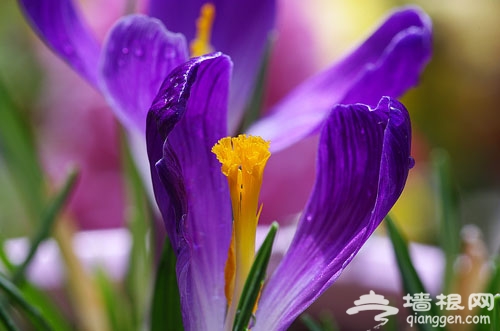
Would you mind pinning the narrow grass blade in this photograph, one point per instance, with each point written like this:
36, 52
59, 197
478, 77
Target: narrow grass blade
117, 305
411, 281
254, 282
166, 307
310, 323
6, 320
48, 309
47, 222
18, 151
325, 322
16, 296
4, 259
447, 214
252, 111
495, 318
328, 322
139, 216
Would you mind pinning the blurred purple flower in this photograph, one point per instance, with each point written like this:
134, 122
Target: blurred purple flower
139, 51
363, 161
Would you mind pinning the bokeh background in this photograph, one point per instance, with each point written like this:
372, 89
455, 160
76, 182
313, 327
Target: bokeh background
454, 108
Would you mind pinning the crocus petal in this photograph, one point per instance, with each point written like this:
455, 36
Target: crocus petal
138, 55
192, 193
59, 24
363, 163
387, 63
240, 29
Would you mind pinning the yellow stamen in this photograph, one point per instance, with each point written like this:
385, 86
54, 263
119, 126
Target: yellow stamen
201, 43
243, 160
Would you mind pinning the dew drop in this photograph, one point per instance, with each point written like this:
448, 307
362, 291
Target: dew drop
411, 162
309, 218
125, 50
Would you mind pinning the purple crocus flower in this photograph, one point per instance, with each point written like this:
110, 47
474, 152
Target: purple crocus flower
363, 161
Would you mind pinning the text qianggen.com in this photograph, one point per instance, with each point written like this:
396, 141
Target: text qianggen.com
442, 321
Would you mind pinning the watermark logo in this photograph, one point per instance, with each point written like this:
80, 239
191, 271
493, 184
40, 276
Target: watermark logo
421, 304
374, 302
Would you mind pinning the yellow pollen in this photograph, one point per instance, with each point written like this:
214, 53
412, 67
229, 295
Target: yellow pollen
243, 160
201, 43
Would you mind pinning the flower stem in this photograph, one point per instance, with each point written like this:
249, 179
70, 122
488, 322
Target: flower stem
85, 297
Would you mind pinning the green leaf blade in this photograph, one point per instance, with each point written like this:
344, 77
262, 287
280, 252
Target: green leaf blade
18, 151
51, 312
140, 267
47, 222
6, 320
33, 312
253, 284
447, 214
412, 283
166, 308
254, 107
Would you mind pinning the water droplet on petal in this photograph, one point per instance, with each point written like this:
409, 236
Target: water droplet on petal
125, 50
309, 218
411, 162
